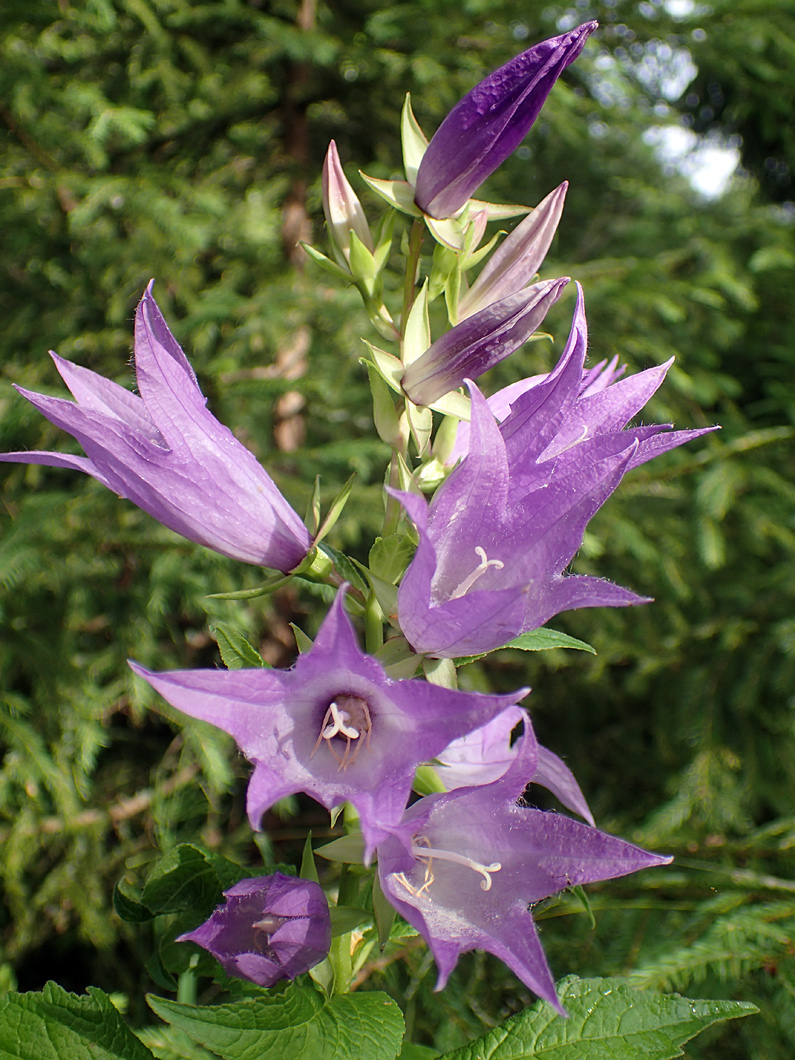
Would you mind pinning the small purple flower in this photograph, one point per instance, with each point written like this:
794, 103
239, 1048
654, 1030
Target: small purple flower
502, 529
270, 928
490, 122
479, 342
334, 726
464, 867
516, 261
163, 450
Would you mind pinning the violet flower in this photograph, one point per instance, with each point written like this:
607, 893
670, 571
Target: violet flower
490, 122
479, 342
163, 450
518, 258
503, 528
334, 726
483, 756
464, 867
270, 928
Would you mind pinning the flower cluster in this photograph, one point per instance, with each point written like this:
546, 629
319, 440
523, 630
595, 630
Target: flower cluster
514, 478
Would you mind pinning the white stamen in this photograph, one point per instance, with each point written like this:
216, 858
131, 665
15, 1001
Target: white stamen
481, 568
458, 859
338, 726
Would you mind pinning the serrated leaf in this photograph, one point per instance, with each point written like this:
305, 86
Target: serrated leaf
56, 1025
183, 880
236, 652
296, 1025
608, 1020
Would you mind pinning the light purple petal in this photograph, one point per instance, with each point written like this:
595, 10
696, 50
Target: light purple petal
516, 261
283, 722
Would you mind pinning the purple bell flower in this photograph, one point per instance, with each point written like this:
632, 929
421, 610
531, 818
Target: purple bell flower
334, 726
503, 528
464, 867
270, 928
163, 450
490, 122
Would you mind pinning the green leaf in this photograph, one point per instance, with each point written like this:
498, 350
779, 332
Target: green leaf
348, 849
296, 1025
335, 511
417, 1052
128, 905
345, 568
608, 1020
308, 869
56, 1025
235, 650
185, 879
542, 639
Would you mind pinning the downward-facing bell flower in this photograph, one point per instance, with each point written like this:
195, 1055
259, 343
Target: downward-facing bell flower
163, 450
490, 122
464, 867
334, 726
503, 528
269, 928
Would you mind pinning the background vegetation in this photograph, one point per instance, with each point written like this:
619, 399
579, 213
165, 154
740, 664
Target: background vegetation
184, 141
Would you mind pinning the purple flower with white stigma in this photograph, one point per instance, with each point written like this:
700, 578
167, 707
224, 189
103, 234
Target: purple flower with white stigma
464, 867
516, 261
270, 928
484, 755
479, 342
334, 726
344, 213
163, 450
490, 122
503, 528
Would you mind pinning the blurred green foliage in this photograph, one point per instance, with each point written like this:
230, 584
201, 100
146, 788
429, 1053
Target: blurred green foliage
184, 141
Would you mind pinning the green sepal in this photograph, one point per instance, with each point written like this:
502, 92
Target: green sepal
398, 193
385, 592
349, 849
385, 415
413, 140
312, 517
335, 511
420, 421
389, 367
326, 263
397, 658
581, 895
383, 911
440, 672
498, 211
363, 267
348, 569
302, 642
308, 870
417, 333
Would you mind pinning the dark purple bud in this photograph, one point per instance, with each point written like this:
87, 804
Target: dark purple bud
270, 928
490, 122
